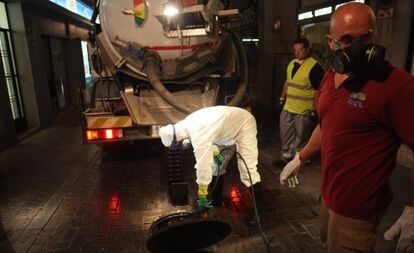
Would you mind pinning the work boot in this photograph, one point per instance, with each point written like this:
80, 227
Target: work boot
258, 196
217, 191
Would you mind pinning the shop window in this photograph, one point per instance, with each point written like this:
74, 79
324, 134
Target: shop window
3, 17
10, 70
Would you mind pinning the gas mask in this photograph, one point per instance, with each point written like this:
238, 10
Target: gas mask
358, 56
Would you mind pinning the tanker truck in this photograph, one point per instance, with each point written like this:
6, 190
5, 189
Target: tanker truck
156, 61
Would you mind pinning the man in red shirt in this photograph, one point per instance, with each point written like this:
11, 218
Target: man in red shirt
366, 110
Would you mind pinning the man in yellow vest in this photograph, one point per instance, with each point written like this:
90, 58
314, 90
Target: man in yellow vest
304, 75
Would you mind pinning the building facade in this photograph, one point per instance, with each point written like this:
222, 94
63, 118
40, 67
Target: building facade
42, 64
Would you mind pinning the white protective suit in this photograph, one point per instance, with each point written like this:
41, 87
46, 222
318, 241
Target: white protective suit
214, 127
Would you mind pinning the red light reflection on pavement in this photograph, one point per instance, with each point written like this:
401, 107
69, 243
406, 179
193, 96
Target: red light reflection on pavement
235, 195
115, 203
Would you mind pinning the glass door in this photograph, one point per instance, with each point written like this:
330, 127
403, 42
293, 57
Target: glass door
54, 55
59, 70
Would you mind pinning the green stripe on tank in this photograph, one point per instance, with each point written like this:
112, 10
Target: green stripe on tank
139, 21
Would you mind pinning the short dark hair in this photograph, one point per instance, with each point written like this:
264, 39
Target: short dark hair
303, 41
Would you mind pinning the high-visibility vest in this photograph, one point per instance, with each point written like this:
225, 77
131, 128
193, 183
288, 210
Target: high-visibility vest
300, 94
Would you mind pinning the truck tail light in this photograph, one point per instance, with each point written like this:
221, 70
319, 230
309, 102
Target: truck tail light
104, 134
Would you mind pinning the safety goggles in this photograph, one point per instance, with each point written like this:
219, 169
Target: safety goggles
346, 40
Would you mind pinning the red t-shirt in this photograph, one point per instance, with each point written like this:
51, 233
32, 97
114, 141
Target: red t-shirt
362, 129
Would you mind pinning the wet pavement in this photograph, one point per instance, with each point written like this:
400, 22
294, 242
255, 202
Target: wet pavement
57, 195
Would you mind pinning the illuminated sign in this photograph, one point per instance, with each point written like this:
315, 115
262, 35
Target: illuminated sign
250, 40
75, 6
305, 15
323, 11
320, 12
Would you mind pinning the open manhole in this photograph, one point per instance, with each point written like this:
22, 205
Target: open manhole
185, 232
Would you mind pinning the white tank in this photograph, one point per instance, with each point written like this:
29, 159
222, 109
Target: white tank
136, 21
138, 37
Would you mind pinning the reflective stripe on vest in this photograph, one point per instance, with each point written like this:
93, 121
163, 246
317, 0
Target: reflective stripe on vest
299, 86
300, 93
299, 97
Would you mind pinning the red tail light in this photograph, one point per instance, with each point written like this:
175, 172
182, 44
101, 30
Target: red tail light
104, 134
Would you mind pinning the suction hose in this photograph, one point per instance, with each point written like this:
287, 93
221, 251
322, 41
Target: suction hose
244, 75
158, 86
162, 91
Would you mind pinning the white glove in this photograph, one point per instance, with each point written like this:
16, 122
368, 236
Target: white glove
289, 172
403, 227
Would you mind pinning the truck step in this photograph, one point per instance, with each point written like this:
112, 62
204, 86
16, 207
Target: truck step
173, 166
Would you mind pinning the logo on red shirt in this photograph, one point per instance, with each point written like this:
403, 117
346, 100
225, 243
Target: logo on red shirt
357, 99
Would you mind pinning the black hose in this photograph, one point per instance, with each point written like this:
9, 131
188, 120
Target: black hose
162, 91
201, 62
169, 98
259, 224
215, 183
244, 75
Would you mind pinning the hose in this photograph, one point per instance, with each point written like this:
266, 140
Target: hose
150, 69
201, 62
244, 75
259, 224
162, 91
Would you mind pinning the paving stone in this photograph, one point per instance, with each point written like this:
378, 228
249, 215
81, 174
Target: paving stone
296, 226
313, 231
82, 198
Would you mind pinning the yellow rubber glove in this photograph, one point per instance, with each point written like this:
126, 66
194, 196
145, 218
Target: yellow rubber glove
202, 190
203, 202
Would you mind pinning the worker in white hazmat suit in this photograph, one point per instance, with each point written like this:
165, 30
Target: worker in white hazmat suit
209, 130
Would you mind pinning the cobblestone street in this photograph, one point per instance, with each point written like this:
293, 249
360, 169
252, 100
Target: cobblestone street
58, 195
